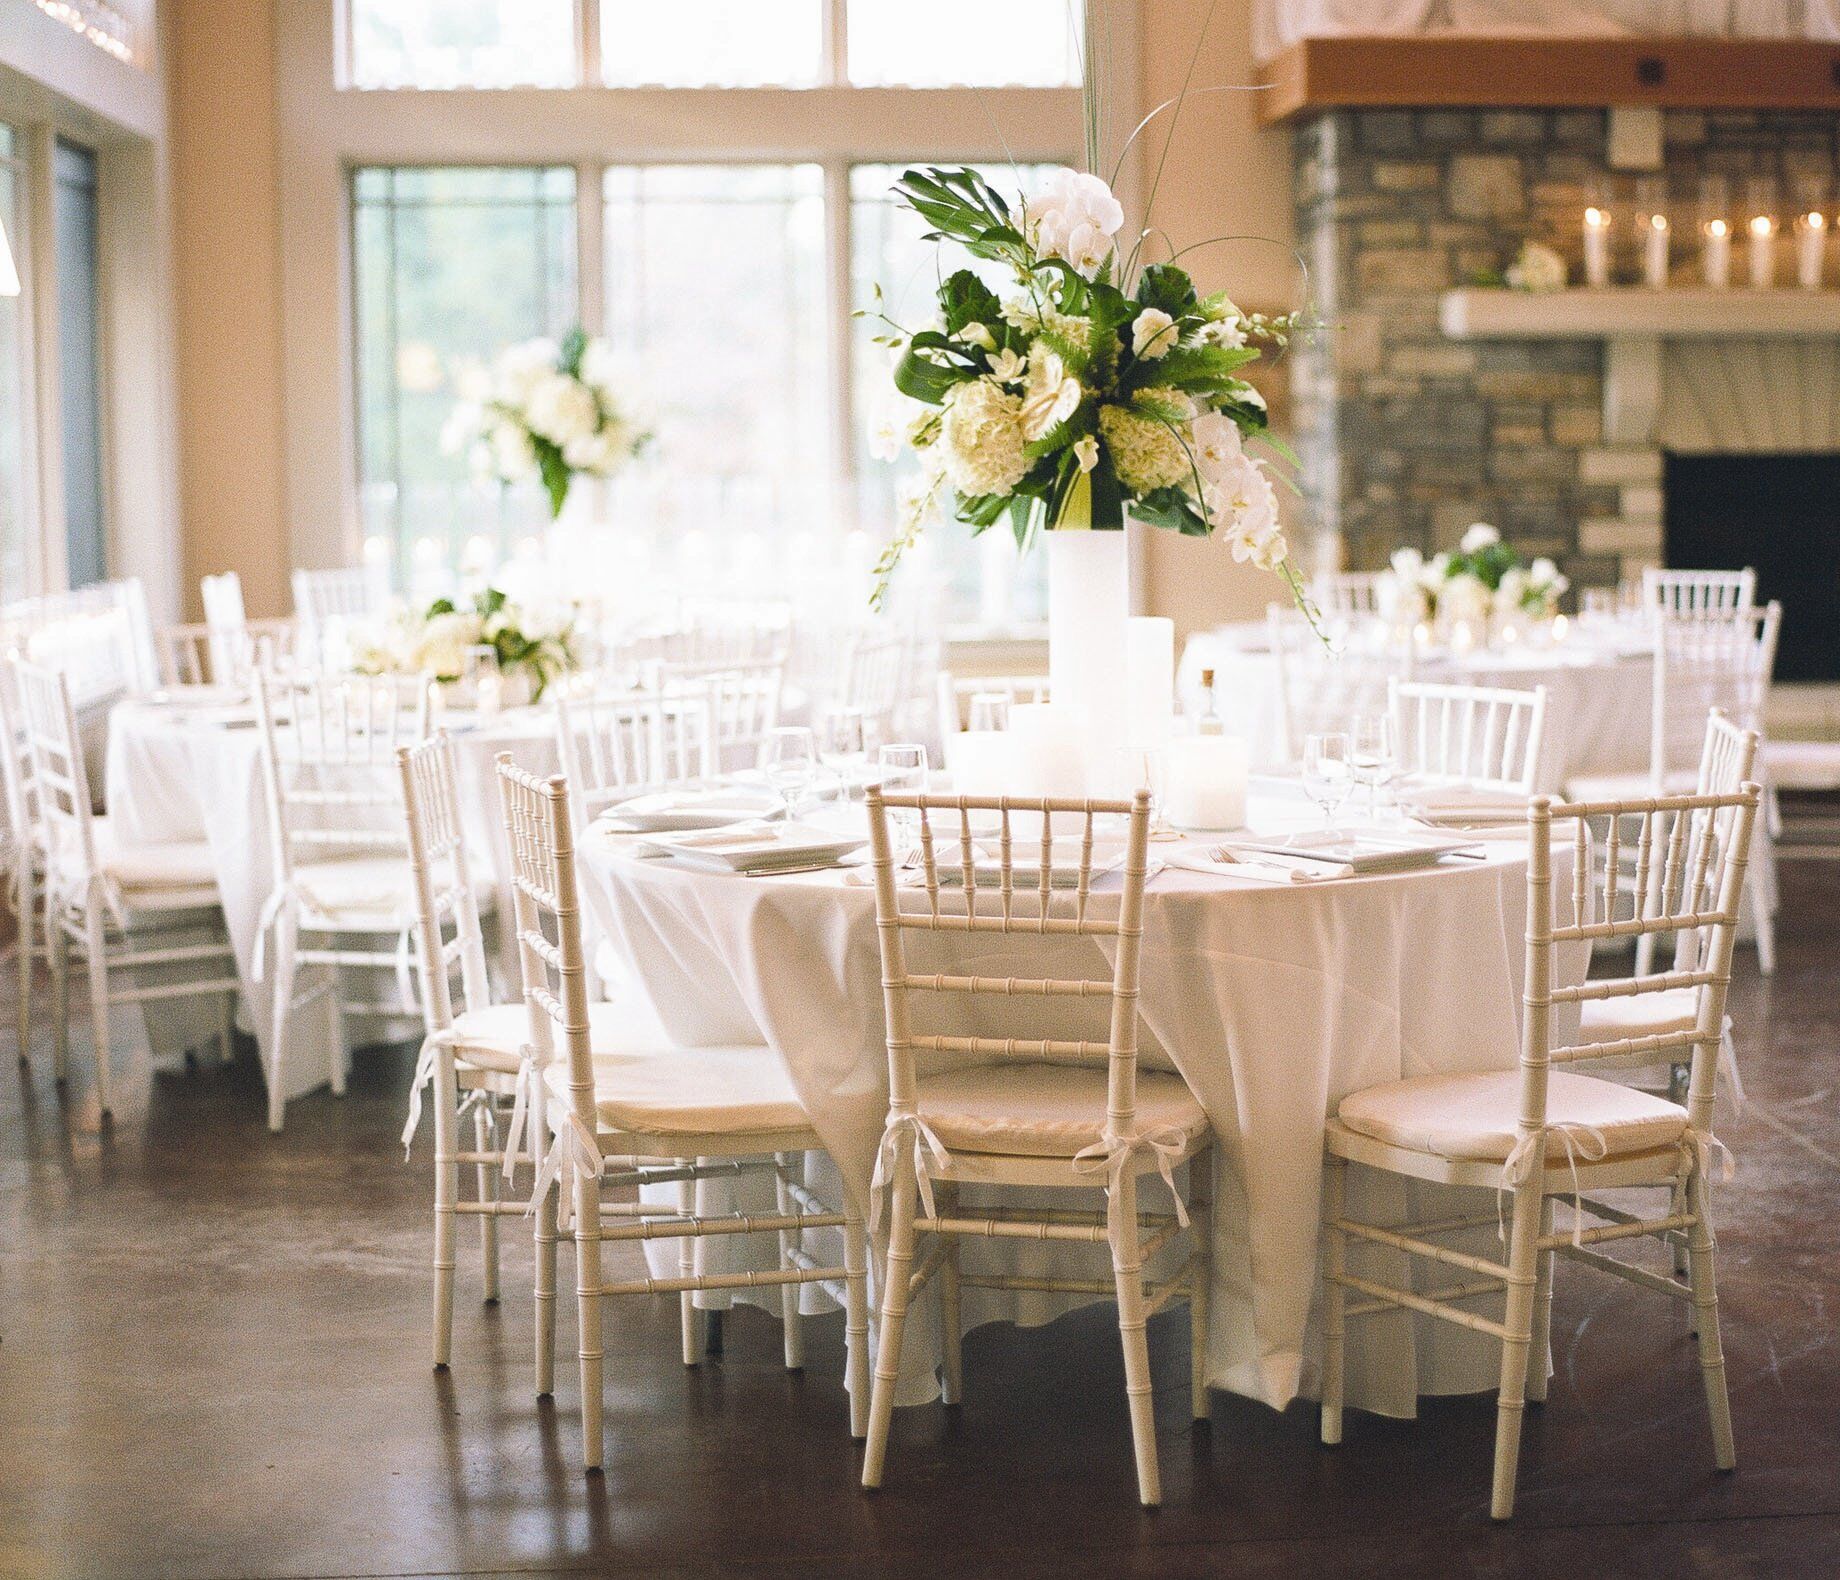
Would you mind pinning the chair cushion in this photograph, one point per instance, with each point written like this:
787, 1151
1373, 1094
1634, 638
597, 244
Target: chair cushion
363, 893
1477, 1116
168, 875
706, 1091
1044, 1110
493, 1038
1627, 787
1802, 765
1643, 1015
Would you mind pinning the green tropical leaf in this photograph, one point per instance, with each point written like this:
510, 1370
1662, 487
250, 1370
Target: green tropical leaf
921, 378
1173, 511
1168, 289
965, 299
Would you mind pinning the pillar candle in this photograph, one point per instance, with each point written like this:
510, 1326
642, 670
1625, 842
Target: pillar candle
1049, 746
1811, 250
1655, 252
1718, 254
1763, 252
982, 762
1150, 678
1207, 782
1596, 248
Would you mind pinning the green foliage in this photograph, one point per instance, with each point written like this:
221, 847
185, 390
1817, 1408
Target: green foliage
1167, 288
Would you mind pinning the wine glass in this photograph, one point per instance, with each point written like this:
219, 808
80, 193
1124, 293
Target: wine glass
789, 762
845, 735
1371, 756
1327, 774
903, 769
989, 711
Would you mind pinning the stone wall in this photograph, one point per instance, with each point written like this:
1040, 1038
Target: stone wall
1406, 436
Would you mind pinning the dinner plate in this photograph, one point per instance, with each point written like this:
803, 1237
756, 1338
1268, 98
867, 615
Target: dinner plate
195, 697
1360, 850
678, 811
758, 850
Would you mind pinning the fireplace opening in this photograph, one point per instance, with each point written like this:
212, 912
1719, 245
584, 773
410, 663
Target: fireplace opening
1781, 514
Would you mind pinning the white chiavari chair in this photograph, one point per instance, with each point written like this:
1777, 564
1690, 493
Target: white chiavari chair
1326, 688
189, 655
956, 692
1347, 596
238, 645
1541, 1133
25, 854
332, 791
743, 700
222, 597
1698, 592
146, 918
1477, 737
92, 637
871, 676
618, 745
328, 601
1031, 1112
627, 1118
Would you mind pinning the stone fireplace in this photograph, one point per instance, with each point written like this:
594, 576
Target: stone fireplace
1431, 403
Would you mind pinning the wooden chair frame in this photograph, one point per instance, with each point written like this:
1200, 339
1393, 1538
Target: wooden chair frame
1484, 737
1700, 843
587, 1157
1127, 1155
118, 935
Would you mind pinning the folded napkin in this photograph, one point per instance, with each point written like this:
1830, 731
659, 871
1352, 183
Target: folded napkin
1197, 858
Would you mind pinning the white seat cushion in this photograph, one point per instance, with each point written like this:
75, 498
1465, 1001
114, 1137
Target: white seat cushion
363, 893
1477, 1116
1802, 765
1627, 787
168, 876
493, 1038
1660, 1014
1045, 1110
732, 1091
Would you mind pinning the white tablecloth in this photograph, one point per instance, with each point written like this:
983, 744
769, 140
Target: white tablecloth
179, 774
1273, 1001
1598, 703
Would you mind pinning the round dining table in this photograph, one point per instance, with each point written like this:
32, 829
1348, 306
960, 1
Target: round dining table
1273, 999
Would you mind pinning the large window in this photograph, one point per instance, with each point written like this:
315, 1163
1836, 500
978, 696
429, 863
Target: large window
79, 298
712, 43
450, 266
478, 44
15, 498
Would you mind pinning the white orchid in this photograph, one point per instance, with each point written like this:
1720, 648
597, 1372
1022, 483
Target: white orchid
1075, 217
1218, 446
1008, 366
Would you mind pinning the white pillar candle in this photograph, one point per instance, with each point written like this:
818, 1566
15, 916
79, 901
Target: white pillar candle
1655, 252
1048, 740
1763, 252
1811, 250
1207, 782
982, 762
1596, 248
1718, 254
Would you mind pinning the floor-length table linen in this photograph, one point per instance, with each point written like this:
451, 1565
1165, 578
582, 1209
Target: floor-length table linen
1273, 1001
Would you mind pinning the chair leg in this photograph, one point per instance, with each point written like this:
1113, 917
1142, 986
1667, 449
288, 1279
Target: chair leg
951, 1309
282, 1012
690, 1320
1763, 915
856, 1319
588, 1298
226, 1029
485, 1140
1128, 1275
57, 952
24, 918
95, 945
1539, 1354
446, 1193
789, 1241
1335, 1298
896, 1270
545, 1287
1523, 1257
336, 1061
1706, 1311
1201, 1217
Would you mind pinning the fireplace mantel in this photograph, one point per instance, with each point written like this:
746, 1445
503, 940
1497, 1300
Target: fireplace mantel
1637, 313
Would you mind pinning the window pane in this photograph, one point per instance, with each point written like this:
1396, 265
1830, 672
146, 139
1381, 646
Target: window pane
15, 532
712, 43
974, 43
79, 368
716, 290
462, 43
982, 580
450, 267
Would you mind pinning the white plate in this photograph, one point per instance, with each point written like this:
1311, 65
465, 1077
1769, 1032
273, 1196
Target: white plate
1362, 850
195, 697
758, 850
677, 811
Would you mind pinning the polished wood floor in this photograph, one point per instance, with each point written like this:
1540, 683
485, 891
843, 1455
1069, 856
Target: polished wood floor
213, 1363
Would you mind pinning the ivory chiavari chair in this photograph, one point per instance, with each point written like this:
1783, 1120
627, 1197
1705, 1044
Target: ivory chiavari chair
957, 692
618, 745
326, 600
743, 701
628, 1118
25, 855
332, 791
1033, 1112
1478, 737
1540, 1133
1698, 592
1347, 596
146, 918
871, 677
1326, 688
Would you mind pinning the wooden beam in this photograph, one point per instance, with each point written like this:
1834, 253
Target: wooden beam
1550, 73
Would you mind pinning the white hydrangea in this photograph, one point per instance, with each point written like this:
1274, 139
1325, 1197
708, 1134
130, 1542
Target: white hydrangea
519, 367
981, 440
514, 457
440, 649
1075, 217
1466, 598
1147, 452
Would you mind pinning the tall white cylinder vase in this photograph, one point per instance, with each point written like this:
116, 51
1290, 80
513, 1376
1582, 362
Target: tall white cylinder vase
1089, 605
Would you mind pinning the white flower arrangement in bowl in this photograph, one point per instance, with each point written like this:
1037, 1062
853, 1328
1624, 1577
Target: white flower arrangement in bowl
549, 411
534, 645
1484, 580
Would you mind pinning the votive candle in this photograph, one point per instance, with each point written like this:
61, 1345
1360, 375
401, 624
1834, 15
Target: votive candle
1207, 782
1655, 252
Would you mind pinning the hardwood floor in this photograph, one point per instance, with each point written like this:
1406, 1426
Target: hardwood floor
213, 1363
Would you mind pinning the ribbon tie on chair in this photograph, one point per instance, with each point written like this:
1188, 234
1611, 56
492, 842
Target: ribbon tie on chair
266, 923
1529, 1154
574, 1151
424, 1076
926, 1144
522, 1101
1113, 1156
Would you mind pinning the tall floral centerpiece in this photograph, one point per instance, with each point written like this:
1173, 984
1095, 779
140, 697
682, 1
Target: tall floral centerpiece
549, 411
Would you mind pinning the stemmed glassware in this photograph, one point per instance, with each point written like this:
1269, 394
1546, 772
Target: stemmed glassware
903, 769
789, 763
1327, 773
989, 711
1371, 756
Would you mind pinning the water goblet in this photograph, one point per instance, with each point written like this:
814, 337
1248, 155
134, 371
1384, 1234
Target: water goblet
1327, 775
1371, 756
903, 769
989, 711
789, 761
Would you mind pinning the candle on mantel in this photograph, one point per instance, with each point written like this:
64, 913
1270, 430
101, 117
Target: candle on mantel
1597, 247
1810, 249
1763, 252
1655, 252
1718, 254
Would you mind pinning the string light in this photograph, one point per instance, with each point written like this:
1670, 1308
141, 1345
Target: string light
95, 20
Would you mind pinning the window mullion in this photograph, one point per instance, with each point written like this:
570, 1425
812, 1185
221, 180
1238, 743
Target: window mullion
590, 248
588, 42
837, 222
836, 66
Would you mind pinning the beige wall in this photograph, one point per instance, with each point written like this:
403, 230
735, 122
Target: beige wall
1224, 177
227, 268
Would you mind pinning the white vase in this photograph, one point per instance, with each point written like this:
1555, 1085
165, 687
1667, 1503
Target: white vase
1089, 606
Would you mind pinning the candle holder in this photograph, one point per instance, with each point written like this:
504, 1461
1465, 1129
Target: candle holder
1715, 230
1761, 225
1654, 228
1597, 227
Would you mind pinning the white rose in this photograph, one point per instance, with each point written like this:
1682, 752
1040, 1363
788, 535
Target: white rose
1479, 537
1154, 334
561, 408
1075, 217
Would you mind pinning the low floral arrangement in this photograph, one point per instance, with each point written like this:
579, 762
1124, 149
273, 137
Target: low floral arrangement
545, 410
1485, 579
1097, 386
534, 645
